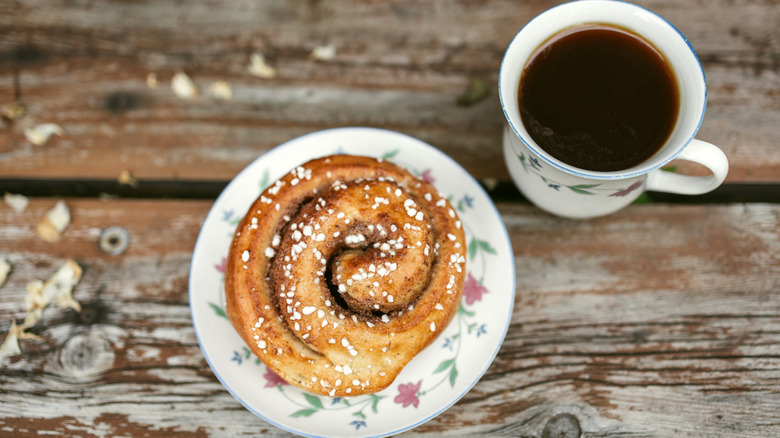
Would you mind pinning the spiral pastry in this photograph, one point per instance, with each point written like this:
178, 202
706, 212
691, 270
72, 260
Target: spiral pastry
344, 270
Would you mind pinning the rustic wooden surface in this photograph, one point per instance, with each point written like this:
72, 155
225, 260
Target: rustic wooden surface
660, 320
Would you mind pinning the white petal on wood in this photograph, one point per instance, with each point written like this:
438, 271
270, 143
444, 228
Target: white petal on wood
183, 86
259, 68
39, 135
324, 53
5, 269
58, 289
10, 346
127, 178
151, 80
221, 90
61, 285
18, 203
54, 222
35, 301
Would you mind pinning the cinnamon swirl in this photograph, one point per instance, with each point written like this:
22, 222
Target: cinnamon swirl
342, 271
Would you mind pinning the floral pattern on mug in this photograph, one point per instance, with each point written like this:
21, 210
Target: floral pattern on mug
532, 165
629, 189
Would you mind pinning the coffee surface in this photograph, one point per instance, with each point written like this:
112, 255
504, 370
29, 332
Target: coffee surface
599, 98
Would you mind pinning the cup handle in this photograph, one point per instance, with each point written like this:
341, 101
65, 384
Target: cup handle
698, 151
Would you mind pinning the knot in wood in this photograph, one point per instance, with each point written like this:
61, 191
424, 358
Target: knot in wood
85, 357
25, 54
121, 102
562, 426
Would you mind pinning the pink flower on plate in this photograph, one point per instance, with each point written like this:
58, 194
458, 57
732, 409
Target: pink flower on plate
222, 265
272, 379
427, 177
629, 189
472, 290
407, 394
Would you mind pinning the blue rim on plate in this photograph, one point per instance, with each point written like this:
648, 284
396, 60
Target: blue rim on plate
439, 376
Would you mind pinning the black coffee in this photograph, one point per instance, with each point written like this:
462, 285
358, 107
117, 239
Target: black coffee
598, 97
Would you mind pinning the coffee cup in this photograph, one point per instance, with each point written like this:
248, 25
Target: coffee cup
582, 189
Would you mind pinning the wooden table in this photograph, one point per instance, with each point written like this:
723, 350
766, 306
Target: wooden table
660, 320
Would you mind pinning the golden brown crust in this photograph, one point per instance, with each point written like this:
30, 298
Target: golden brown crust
344, 270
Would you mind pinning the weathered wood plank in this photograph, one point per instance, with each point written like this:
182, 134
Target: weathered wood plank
657, 318
398, 65
656, 321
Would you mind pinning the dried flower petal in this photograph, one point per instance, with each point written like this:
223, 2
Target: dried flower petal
5, 269
126, 178
54, 222
151, 80
40, 134
58, 288
36, 301
476, 90
10, 346
183, 86
18, 203
259, 68
13, 111
221, 90
490, 183
323, 53
61, 284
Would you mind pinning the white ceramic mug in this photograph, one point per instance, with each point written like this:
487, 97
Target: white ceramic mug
568, 191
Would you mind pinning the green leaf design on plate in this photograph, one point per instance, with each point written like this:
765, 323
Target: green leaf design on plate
466, 312
374, 402
313, 400
304, 412
444, 365
477, 244
264, 180
485, 246
218, 310
473, 248
390, 154
453, 375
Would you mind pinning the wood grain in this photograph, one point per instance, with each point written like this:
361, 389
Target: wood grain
399, 65
656, 321
660, 320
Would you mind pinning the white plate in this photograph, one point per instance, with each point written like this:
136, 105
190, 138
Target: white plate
432, 382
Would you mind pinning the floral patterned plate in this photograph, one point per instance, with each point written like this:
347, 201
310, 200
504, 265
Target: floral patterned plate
432, 382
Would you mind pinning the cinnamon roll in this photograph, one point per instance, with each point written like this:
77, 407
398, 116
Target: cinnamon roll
342, 271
